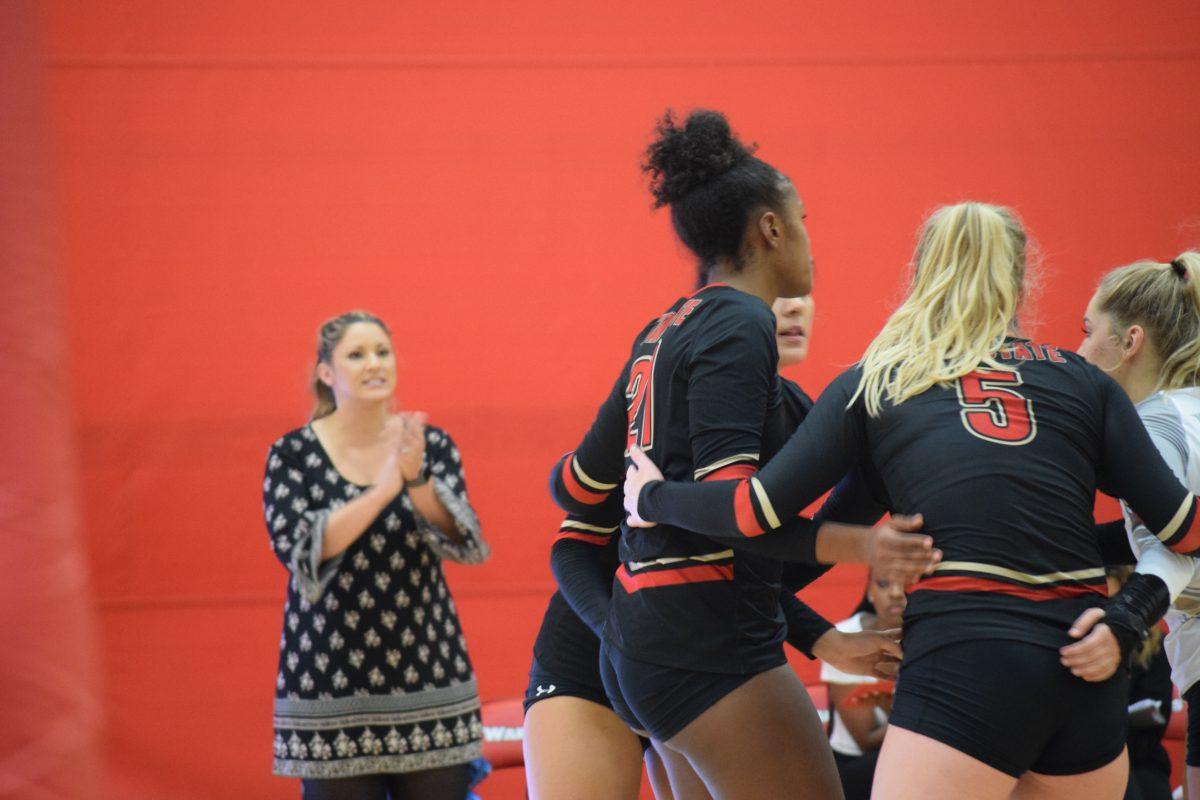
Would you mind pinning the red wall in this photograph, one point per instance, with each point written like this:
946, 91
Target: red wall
228, 174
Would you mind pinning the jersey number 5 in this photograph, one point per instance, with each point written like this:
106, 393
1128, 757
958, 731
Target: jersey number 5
640, 396
993, 410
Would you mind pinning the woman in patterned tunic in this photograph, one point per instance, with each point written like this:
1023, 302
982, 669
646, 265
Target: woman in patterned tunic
375, 696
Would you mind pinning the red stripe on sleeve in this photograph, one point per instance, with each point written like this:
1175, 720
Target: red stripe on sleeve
577, 490
1189, 542
743, 510
734, 472
701, 573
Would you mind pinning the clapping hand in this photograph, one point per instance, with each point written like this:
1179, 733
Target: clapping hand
412, 445
388, 479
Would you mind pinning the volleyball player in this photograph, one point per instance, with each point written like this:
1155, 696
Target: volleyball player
691, 651
1001, 443
575, 746
1142, 327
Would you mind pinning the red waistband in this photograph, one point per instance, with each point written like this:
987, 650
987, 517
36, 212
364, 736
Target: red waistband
963, 583
699, 573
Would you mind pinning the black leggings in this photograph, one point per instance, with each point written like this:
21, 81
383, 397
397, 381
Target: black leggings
444, 783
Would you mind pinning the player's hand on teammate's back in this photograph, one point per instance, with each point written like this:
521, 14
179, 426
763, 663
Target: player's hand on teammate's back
874, 653
641, 472
898, 553
1098, 654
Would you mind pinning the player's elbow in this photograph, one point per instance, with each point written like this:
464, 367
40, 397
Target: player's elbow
573, 490
1184, 535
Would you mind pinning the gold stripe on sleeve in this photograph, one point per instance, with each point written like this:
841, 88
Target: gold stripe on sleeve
765, 502
724, 462
587, 481
1166, 533
583, 526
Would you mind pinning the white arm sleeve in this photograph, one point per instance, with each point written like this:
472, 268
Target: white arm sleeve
1154, 558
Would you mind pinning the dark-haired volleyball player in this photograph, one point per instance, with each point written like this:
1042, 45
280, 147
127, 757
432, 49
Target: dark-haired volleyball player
1001, 443
575, 745
692, 650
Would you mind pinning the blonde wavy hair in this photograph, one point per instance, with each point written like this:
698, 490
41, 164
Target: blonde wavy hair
1165, 300
968, 282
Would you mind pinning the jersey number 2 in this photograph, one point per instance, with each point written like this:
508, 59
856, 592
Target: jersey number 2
993, 410
640, 396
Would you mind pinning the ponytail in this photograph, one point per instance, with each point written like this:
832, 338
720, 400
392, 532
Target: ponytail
326, 402
1165, 300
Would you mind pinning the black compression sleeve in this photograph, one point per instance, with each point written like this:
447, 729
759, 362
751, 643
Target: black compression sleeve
584, 578
797, 576
794, 543
1139, 606
804, 626
587, 477
731, 385
1114, 544
854, 501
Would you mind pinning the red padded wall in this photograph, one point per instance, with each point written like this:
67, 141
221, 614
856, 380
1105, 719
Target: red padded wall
48, 667
230, 173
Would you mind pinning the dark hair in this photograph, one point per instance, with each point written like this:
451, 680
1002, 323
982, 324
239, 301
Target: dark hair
712, 182
330, 333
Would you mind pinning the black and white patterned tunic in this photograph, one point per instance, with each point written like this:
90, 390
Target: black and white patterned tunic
373, 668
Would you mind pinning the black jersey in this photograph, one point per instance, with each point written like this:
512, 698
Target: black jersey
700, 395
584, 560
1003, 464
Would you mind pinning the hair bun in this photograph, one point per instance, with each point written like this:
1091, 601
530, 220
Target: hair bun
685, 157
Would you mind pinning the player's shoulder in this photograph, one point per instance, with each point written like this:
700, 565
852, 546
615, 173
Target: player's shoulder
1167, 422
723, 299
792, 392
1030, 356
1182, 403
1169, 409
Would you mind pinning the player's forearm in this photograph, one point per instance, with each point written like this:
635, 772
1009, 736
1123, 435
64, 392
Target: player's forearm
584, 580
838, 543
805, 627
